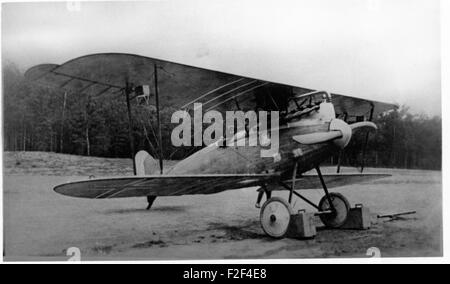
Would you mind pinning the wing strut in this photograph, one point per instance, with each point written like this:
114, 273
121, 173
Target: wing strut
130, 123
61, 138
158, 119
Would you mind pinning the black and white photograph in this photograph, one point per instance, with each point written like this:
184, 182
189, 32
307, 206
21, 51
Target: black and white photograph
218, 130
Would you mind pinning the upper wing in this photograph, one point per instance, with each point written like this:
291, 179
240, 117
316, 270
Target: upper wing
359, 109
334, 180
180, 86
164, 185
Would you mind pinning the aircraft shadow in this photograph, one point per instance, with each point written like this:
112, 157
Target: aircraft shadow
160, 209
248, 230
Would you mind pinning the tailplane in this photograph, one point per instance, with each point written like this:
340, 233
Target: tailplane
145, 164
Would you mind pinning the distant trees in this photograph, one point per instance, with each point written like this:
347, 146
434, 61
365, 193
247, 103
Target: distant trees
38, 118
42, 119
403, 140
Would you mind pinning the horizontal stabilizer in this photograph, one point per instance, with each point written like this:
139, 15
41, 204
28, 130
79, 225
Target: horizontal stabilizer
317, 137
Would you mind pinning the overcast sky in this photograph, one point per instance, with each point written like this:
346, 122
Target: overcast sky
386, 50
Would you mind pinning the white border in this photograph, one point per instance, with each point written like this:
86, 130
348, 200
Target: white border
445, 75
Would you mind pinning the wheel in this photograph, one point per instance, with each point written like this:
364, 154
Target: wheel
341, 206
275, 217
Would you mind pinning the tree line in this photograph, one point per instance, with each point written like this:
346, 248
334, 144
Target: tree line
39, 118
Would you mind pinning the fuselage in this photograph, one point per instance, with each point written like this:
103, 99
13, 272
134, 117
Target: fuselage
215, 159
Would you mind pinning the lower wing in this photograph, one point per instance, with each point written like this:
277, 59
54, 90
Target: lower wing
161, 185
334, 180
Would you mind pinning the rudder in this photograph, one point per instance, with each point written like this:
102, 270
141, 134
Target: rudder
145, 164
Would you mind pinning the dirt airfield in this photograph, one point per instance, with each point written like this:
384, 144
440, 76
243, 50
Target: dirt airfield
41, 225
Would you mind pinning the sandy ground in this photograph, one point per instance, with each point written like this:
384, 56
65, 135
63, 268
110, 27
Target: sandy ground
41, 225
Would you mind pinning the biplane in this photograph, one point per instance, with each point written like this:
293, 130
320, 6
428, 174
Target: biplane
313, 126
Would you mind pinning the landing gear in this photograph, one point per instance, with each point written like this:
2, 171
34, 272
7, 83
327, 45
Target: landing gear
150, 200
261, 192
275, 217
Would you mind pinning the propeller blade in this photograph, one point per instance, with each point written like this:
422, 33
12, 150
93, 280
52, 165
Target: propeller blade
363, 125
358, 126
366, 126
317, 137
340, 158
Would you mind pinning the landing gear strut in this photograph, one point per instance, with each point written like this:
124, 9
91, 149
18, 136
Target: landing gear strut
261, 192
275, 215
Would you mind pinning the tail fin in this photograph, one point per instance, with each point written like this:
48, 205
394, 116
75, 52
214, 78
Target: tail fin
145, 164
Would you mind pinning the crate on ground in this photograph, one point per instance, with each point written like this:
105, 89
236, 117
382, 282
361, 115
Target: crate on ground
302, 225
358, 218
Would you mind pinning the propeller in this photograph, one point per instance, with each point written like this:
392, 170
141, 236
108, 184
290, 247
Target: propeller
365, 125
340, 133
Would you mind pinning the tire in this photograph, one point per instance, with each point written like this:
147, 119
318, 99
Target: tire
342, 207
275, 217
